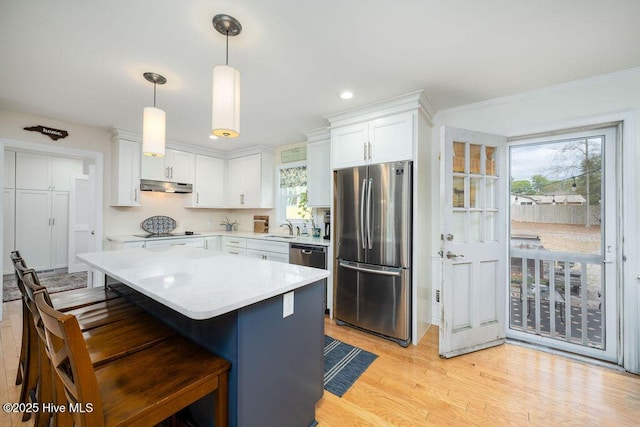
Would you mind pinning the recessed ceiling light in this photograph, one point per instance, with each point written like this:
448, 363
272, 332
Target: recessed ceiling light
346, 95
212, 136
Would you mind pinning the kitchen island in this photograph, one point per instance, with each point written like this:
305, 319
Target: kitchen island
265, 317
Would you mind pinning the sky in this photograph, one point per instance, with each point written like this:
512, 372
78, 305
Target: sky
541, 159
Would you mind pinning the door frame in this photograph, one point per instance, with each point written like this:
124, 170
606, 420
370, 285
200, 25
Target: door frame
94, 157
611, 152
630, 209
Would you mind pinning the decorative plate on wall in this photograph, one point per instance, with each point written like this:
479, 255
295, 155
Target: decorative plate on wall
159, 224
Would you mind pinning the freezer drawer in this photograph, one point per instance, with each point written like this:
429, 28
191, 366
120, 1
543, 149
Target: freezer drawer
374, 298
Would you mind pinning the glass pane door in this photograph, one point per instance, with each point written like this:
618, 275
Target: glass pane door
563, 240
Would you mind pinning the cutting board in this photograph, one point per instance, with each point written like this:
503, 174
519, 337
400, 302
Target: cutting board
260, 223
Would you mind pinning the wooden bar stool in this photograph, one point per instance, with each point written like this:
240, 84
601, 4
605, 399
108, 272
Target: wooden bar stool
107, 339
139, 389
24, 347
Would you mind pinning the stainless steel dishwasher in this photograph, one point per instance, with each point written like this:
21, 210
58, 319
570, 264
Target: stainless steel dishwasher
310, 256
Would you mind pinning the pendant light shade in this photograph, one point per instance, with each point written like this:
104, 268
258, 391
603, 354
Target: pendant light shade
225, 104
153, 132
225, 111
153, 122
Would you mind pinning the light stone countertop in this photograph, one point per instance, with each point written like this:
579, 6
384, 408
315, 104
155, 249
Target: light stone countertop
201, 284
273, 237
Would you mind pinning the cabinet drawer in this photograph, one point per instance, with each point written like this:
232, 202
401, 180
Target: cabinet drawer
234, 250
236, 242
197, 242
265, 245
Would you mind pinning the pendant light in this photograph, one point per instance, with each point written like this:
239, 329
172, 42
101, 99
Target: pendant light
153, 122
225, 107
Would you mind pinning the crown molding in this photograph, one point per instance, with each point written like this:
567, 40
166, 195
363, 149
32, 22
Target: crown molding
409, 102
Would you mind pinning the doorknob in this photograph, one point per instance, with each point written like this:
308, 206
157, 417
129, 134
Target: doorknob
93, 232
451, 255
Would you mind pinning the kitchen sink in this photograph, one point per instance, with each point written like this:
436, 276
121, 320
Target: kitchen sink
279, 236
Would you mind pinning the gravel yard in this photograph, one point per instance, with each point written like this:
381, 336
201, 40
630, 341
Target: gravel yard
562, 237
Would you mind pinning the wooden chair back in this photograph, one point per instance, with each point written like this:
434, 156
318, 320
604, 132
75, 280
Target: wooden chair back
71, 362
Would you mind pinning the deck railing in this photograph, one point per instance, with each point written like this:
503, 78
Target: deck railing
563, 295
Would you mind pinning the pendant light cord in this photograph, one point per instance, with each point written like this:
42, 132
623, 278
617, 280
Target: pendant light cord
154, 94
227, 59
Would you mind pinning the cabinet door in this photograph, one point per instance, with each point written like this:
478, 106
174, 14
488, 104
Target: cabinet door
33, 227
319, 174
61, 171
59, 229
209, 182
349, 145
212, 243
125, 186
181, 165
33, 171
253, 181
154, 168
236, 182
9, 169
8, 224
391, 138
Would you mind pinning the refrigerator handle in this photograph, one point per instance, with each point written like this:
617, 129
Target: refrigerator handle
369, 213
369, 270
362, 201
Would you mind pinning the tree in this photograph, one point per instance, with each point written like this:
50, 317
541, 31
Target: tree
540, 184
522, 186
582, 158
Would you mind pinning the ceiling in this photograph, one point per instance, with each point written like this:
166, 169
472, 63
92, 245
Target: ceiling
82, 61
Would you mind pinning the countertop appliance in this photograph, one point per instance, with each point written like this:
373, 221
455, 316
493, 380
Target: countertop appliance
327, 225
310, 256
373, 228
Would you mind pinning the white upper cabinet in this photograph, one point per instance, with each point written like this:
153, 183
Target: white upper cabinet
175, 166
9, 169
250, 181
319, 173
42, 172
209, 185
125, 173
381, 140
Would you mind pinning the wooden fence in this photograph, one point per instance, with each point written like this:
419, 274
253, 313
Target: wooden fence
556, 214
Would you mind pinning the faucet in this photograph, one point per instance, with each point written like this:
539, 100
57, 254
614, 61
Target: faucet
288, 224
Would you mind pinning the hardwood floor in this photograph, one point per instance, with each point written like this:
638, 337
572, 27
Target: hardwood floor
506, 385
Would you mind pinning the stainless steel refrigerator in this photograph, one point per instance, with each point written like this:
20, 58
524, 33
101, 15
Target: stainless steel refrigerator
373, 224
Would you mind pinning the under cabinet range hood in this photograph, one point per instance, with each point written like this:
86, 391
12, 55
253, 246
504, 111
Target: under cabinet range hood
165, 186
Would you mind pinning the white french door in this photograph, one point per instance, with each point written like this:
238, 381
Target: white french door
474, 249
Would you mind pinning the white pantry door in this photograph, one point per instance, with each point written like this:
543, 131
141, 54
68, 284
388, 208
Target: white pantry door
81, 219
474, 242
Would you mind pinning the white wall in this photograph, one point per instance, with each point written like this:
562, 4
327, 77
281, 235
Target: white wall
123, 220
602, 99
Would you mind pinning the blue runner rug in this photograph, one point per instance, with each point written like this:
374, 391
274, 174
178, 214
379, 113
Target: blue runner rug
343, 365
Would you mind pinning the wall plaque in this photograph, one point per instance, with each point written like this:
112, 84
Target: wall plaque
52, 133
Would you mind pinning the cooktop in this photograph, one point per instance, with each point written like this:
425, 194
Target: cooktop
155, 235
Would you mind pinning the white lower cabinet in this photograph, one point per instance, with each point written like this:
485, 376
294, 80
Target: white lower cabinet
42, 228
127, 245
234, 245
272, 251
194, 242
212, 243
